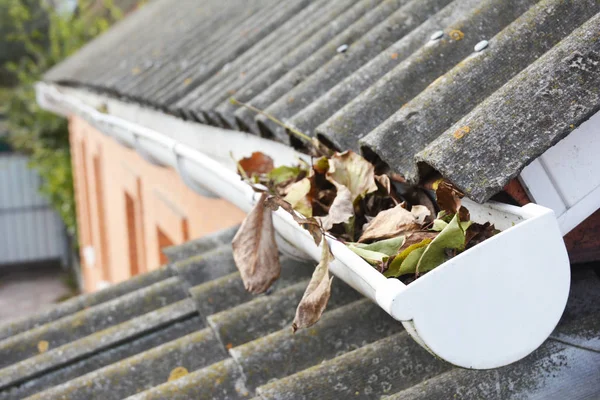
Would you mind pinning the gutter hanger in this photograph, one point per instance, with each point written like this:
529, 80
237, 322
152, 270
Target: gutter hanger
487, 307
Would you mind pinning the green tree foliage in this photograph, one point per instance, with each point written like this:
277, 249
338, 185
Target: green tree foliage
36, 132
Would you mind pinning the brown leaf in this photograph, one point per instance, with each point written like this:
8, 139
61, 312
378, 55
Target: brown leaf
310, 224
341, 209
448, 197
254, 249
477, 233
417, 237
258, 163
354, 172
317, 293
464, 214
394, 222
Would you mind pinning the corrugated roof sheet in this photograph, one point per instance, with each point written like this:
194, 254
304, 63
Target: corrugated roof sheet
400, 80
190, 331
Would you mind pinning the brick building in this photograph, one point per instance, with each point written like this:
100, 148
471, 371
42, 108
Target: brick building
128, 209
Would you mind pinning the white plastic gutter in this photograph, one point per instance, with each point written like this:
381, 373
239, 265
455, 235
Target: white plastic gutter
485, 308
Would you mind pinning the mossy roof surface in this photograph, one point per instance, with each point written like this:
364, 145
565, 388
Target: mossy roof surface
472, 89
189, 330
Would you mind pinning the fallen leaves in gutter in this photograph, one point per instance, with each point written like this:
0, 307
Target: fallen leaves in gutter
340, 196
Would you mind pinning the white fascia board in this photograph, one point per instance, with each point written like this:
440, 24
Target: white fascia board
470, 311
566, 178
223, 145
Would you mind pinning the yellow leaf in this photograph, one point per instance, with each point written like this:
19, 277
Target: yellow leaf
177, 373
43, 346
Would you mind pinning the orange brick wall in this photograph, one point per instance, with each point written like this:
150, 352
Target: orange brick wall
127, 208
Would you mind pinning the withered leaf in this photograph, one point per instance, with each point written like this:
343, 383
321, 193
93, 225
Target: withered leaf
394, 222
417, 237
341, 209
351, 170
315, 298
447, 196
464, 214
477, 233
384, 182
298, 196
258, 163
310, 224
255, 251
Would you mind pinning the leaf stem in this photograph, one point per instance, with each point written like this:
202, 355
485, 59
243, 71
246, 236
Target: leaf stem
293, 130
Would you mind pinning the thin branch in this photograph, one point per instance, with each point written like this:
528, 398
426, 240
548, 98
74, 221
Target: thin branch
272, 118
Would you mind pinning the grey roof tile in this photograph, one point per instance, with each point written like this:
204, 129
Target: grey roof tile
112, 355
228, 291
394, 94
384, 367
199, 246
563, 86
93, 343
223, 380
200, 268
313, 63
440, 105
395, 26
143, 371
269, 313
88, 321
420, 69
327, 36
553, 372
242, 346
284, 39
78, 303
284, 353
322, 108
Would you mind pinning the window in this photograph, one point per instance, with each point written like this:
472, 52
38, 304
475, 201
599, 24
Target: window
130, 214
163, 241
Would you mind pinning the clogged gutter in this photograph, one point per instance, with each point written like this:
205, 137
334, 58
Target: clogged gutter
399, 230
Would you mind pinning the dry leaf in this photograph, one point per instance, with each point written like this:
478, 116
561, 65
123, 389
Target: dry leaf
354, 172
394, 222
385, 183
417, 237
317, 293
258, 163
298, 196
420, 213
477, 233
310, 224
341, 209
254, 249
447, 197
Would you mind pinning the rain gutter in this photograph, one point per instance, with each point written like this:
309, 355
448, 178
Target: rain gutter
487, 307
